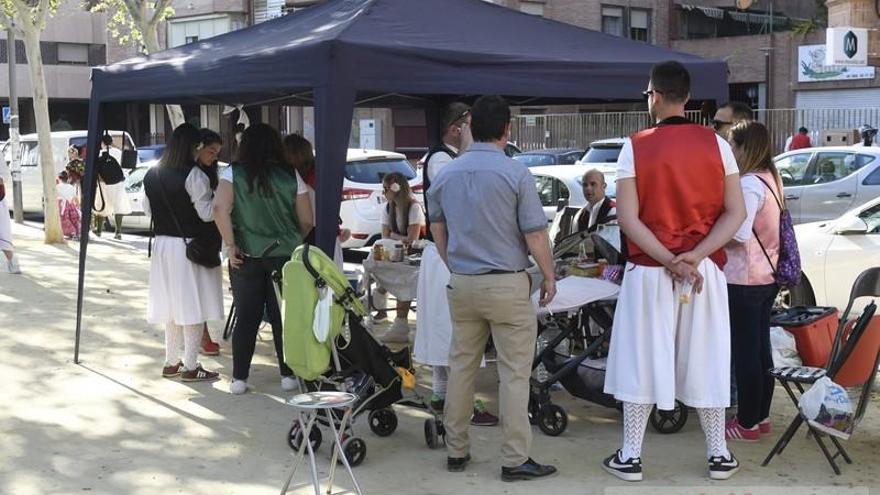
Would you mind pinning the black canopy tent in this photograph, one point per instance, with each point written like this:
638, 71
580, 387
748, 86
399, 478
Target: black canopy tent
346, 53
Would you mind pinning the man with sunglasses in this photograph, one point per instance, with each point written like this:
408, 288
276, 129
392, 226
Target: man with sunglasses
678, 202
730, 114
455, 134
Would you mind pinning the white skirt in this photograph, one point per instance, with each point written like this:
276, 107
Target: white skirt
114, 201
433, 321
5, 227
663, 349
182, 292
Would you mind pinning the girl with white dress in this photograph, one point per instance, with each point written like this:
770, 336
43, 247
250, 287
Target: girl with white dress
183, 295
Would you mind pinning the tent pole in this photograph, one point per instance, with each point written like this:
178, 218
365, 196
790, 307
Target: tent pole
334, 108
88, 185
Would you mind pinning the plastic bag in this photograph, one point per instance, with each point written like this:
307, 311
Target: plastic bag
784, 348
827, 407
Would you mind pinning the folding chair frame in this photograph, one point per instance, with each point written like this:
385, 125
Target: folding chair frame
840, 353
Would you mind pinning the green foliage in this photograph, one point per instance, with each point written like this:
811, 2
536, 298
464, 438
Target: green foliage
33, 12
126, 26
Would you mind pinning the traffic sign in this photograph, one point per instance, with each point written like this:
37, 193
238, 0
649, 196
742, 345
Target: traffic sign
6, 115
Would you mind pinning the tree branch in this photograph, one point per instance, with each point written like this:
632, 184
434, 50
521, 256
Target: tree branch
159, 11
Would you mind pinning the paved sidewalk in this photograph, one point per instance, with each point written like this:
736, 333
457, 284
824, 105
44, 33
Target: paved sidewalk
112, 425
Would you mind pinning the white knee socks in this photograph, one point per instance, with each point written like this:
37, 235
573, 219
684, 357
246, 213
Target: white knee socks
635, 420
439, 380
173, 343
712, 421
192, 335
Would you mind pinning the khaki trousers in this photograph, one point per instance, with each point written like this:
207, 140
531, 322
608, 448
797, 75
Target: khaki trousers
499, 304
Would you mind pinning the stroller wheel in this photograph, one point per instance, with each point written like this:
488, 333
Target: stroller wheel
669, 421
533, 411
553, 420
433, 431
383, 422
355, 450
295, 435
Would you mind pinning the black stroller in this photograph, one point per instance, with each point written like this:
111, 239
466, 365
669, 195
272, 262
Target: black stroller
572, 351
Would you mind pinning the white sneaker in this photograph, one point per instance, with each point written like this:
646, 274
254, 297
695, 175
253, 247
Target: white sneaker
12, 265
398, 333
289, 383
238, 387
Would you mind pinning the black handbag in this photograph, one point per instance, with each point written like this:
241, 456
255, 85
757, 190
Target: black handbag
203, 249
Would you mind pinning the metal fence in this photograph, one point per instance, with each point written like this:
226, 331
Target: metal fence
532, 132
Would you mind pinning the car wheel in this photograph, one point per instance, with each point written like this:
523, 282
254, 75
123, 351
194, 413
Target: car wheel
800, 295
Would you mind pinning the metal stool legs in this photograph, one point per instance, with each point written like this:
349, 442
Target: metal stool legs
307, 418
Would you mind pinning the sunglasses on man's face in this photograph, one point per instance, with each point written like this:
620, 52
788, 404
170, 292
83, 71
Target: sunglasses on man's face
718, 124
651, 92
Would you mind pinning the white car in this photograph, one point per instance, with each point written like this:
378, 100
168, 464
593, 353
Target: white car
833, 253
823, 183
362, 196
134, 187
565, 182
603, 152
31, 174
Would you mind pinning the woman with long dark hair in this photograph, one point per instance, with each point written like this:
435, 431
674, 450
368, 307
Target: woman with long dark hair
751, 260
183, 295
206, 159
262, 210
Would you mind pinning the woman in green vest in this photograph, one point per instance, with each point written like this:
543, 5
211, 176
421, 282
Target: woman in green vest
263, 212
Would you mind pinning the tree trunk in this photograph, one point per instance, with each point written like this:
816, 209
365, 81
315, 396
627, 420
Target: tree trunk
52, 217
151, 42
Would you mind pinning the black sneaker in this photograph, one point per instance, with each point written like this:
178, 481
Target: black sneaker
628, 470
457, 464
721, 468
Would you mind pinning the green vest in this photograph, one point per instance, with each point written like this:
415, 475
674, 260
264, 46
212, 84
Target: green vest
259, 219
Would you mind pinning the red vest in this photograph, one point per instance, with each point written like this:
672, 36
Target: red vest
799, 141
680, 183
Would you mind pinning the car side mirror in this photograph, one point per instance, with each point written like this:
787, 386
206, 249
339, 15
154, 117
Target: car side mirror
850, 226
129, 159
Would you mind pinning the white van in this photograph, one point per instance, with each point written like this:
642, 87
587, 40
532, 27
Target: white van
31, 174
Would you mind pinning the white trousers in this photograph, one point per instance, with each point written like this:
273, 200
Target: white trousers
663, 349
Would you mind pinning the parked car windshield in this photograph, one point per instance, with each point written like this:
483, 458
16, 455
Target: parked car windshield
535, 160
372, 171
135, 179
601, 154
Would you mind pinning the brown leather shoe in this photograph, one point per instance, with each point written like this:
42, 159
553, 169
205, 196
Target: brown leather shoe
173, 370
208, 347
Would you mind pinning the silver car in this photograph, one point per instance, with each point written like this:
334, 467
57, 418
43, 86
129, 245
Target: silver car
824, 183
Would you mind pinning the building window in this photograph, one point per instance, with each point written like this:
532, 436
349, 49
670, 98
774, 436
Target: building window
191, 39
639, 25
612, 20
533, 8
73, 54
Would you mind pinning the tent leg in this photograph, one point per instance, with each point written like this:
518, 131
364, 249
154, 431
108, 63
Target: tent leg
89, 183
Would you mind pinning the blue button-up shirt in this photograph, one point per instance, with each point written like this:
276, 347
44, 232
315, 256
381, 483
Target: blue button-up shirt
488, 202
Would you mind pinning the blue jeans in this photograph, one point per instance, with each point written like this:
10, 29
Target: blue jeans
751, 354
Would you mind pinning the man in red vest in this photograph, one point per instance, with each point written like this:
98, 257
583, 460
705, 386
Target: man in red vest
678, 202
800, 140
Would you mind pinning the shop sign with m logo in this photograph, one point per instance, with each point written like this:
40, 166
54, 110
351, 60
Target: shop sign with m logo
846, 46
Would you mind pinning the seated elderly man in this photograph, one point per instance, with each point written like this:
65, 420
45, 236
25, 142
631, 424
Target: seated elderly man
600, 209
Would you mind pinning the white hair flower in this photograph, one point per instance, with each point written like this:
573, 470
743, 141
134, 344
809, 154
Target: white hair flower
395, 187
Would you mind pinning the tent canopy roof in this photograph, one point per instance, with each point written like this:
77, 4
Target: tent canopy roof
401, 47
